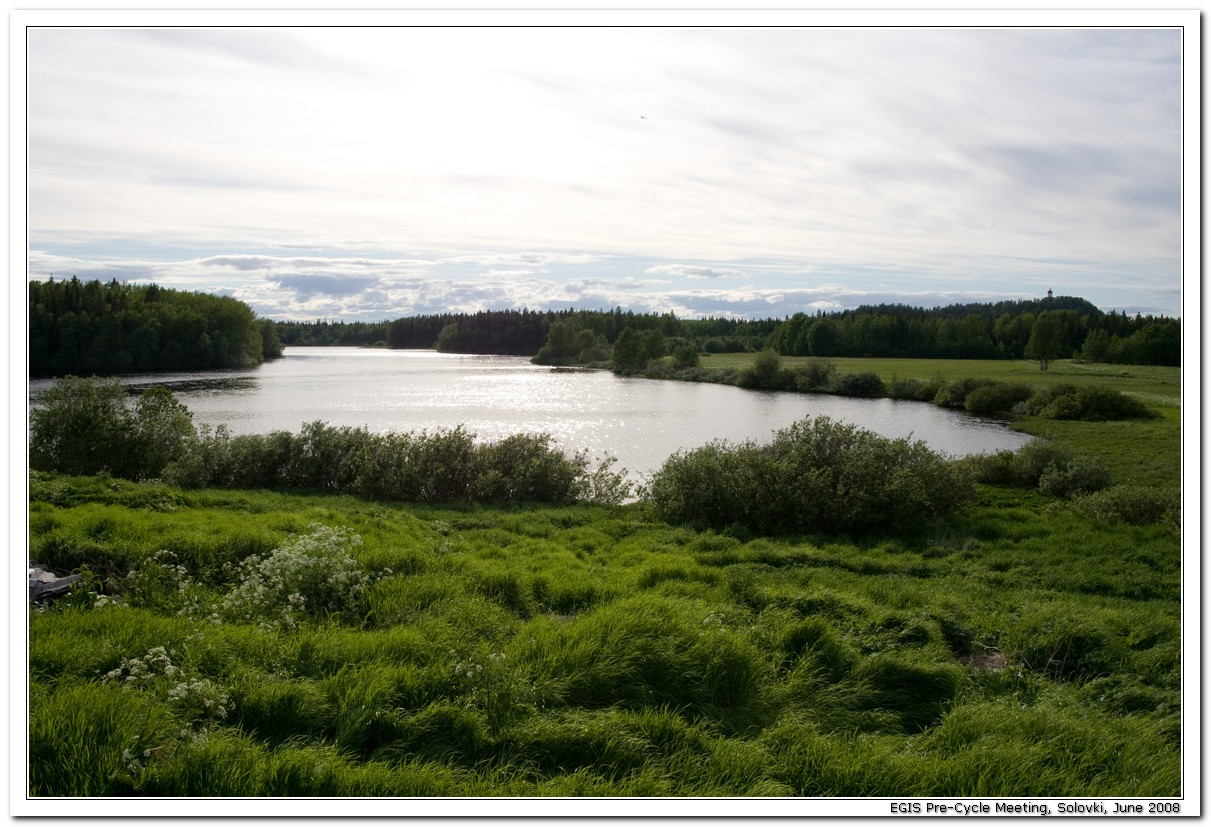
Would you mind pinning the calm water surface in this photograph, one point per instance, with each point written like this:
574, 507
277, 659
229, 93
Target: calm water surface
639, 421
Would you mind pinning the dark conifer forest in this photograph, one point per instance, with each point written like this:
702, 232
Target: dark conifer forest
90, 327
109, 328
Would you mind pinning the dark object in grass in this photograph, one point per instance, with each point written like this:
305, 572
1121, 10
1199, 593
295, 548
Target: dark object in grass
46, 585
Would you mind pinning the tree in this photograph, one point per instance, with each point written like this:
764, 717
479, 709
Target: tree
1045, 338
1095, 346
160, 431
628, 352
685, 355
823, 338
447, 338
78, 426
561, 344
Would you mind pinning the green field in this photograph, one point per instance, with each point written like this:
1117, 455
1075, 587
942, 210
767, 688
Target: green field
1156, 385
258, 643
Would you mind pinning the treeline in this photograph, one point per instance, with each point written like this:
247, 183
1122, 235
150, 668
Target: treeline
1061, 327
95, 328
90, 327
1074, 328
525, 332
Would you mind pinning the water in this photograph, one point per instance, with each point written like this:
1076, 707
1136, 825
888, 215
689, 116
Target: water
638, 421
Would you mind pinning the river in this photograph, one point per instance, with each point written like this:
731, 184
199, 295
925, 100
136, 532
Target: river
638, 421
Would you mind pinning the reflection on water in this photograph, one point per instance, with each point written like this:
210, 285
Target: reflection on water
639, 421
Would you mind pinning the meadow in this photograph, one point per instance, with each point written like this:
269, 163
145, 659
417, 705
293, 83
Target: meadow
278, 643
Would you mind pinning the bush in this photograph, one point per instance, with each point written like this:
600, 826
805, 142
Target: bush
817, 475
1083, 475
865, 384
765, 373
85, 426
717, 484
1132, 504
815, 375
1086, 403
996, 397
1035, 457
325, 457
1052, 467
525, 467
685, 355
916, 390
954, 394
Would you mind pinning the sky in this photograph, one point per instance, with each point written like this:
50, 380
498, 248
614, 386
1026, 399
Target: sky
371, 173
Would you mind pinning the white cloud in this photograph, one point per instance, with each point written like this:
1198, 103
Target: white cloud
695, 271
939, 159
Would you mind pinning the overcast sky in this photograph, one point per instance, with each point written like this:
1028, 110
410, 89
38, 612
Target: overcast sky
374, 173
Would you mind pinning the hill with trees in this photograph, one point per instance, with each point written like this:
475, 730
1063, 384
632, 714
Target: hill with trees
90, 327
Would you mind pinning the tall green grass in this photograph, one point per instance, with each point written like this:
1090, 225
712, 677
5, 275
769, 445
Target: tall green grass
1022, 647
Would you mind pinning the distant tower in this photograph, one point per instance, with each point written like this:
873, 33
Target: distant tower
1048, 293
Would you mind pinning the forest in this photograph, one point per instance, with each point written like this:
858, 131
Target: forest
1071, 328
90, 327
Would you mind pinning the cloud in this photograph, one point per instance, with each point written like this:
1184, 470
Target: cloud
694, 271
529, 258
306, 285
942, 160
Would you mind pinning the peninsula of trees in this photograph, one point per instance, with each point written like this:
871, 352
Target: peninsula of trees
90, 327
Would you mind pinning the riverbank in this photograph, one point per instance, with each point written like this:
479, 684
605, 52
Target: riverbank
1145, 451
1025, 650
260, 643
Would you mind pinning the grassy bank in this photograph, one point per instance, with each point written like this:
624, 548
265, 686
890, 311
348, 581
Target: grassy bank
1157, 385
1141, 451
262, 643
1025, 650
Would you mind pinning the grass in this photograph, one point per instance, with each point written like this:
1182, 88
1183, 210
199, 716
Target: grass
1022, 650
1159, 386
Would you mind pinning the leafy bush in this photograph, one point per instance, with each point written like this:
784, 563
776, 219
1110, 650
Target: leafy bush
719, 484
817, 475
996, 397
765, 373
216, 458
814, 375
916, 390
1083, 475
1132, 504
1086, 403
954, 394
685, 355
524, 467
867, 384
325, 457
1052, 467
85, 426
1034, 458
